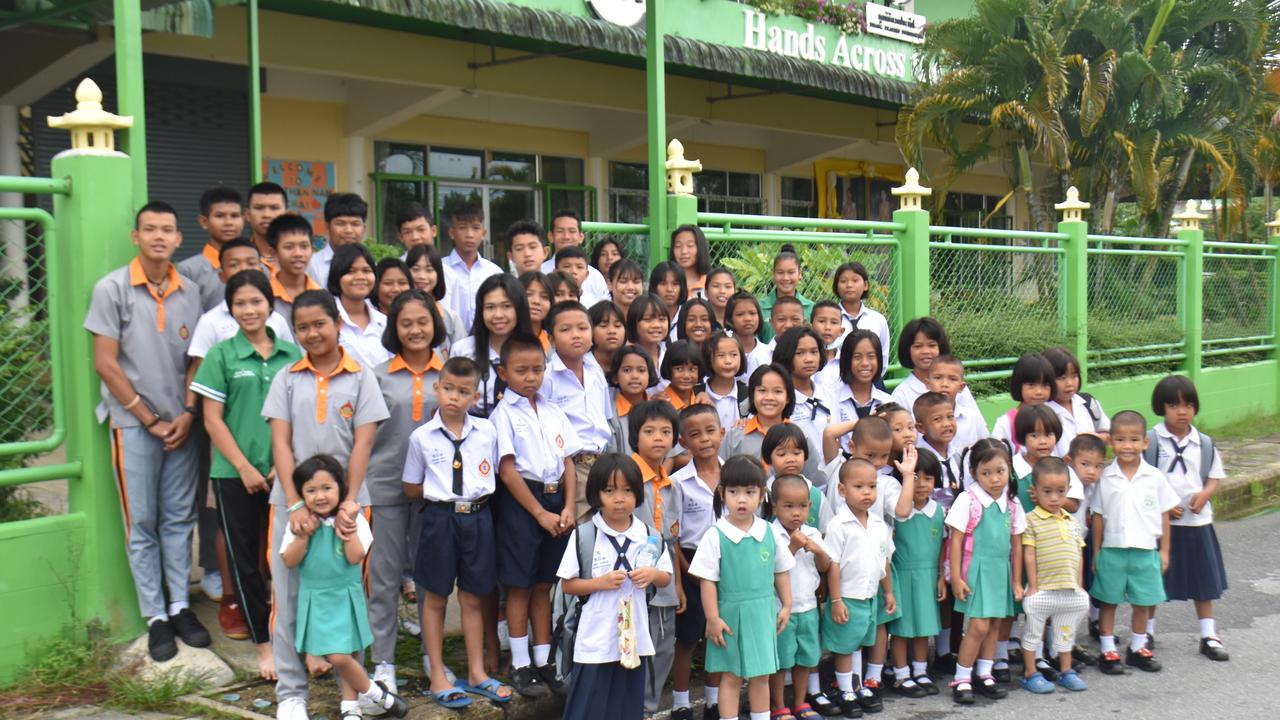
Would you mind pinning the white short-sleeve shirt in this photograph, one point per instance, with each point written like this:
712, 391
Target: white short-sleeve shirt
888, 489
1186, 483
1022, 469
913, 387
363, 533
862, 552
1132, 510
586, 403
958, 515
217, 325
805, 578
873, 320
597, 639
429, 461
706, 561
698, 514
970, 427
463, 282
1077, 420
364, 343
539, 440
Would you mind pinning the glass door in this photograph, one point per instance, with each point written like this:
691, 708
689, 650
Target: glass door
449, 197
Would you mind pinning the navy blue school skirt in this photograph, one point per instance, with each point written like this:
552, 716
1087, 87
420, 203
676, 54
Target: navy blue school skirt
1195, 570
606, 690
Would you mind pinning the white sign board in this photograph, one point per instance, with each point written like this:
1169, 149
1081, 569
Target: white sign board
627, 13
897, 24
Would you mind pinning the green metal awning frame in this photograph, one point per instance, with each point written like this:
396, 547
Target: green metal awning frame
504, 25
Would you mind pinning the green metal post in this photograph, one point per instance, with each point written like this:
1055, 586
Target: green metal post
130, 96
1193, 290
93, 225
656, 107
1074, 289
911, 271
255, 95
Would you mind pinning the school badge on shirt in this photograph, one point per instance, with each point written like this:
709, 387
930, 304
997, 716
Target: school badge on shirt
560, 442
183, 332
347, 411
675, 529
764, 555
484, 467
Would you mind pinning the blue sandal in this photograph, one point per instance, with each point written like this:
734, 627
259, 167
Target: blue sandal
489, 689
455, 698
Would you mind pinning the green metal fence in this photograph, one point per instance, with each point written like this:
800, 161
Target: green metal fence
1137, 299
1239, 302
633, 239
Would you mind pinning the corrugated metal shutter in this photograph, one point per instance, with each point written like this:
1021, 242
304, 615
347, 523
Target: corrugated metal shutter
197, 131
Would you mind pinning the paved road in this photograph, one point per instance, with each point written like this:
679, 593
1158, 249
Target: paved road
1190, 686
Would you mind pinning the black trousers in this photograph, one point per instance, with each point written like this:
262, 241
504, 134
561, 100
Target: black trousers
244, 520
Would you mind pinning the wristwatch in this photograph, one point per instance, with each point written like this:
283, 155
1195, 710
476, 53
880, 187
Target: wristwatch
192, 409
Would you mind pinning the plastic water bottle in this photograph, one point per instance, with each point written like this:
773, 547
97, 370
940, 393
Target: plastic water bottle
648, 555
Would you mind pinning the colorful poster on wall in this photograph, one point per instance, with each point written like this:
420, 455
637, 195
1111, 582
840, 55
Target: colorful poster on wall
308, 184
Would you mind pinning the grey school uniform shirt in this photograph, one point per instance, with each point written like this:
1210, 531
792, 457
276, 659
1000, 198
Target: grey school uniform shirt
203, 268
672, 507
324, 422
410, 404
153, 331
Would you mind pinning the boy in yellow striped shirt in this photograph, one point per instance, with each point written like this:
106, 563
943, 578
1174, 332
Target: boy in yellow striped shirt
1051, 549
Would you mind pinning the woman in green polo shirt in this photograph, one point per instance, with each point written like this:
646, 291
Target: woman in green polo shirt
233, 381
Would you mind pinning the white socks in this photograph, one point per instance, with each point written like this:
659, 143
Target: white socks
376, 696
712, 694
1137, 642
1094, 611
158, 618
1208, 628
983, 667
963, 674
903, 675
680, 698
760, 715
1002, 650
919, 667
519, 651
857, 663
541, 654
844, 681
815, 683
874, 672
1107, 643
1151, 626
177, 607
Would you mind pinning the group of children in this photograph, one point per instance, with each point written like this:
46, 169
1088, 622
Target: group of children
686, 471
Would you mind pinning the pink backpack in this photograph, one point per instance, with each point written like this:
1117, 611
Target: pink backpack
1013, 436
975, 517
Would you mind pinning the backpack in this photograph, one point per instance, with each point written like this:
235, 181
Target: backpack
1152, 454
1013, 436
975, 517
1091, 406
566, 609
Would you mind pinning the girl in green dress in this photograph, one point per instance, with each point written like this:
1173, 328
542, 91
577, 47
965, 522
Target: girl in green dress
741, 567
332, 620
918, 583
986, 554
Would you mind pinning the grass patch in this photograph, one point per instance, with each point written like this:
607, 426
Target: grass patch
1249, 428
76, 671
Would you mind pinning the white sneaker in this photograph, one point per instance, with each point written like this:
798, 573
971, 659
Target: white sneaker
386, 674
411, 627
211, 585
504, 636
293, 708
448, 672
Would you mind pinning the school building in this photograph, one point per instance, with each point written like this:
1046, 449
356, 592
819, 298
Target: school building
521, 106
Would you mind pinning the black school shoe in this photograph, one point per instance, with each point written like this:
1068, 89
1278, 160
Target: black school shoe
913, 691
1109, 664
869, 697
547, 673
399, 708
1143, 660
1015, 652
1212, 648
1083, 655
945, 664
1151, 641
988, 687
924, 681
188, 627
528, 683
822, 704
683, 713
1001, 675
1095, 631
1047, 670
962, 693
711, 712
161, 642
847, 702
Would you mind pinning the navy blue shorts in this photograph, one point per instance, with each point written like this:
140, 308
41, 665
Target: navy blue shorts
527, 554
691, 625
455, 547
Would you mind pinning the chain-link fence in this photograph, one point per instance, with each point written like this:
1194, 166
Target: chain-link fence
632, 241
1237, 303
997, 298
750, 255
1135, 325
26, 393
